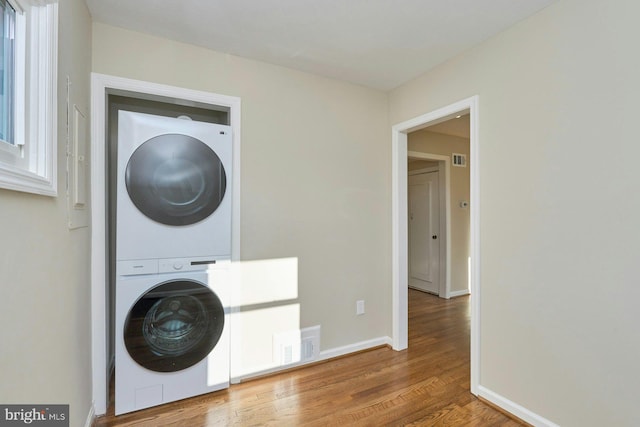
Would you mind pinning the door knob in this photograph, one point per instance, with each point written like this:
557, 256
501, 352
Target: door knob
434, 237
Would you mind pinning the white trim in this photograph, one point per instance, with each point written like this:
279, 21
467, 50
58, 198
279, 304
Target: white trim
331, 353
352, 348
515, 409
39, 174
399, 246
91, 416
16, 6
98, 246
20, 94
474, 239
445, 229
399, 226
463, 292
425, 170
100, 85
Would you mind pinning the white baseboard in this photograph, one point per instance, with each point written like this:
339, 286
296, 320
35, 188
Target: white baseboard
454, 294
352, 348
515, 409
91, 416
324, 355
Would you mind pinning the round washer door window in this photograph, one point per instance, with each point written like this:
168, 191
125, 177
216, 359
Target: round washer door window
175, 179
174, 326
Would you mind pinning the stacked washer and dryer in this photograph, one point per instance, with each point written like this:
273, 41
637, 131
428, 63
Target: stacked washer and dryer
173, 252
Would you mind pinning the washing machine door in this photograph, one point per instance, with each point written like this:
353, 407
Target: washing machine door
175, 179
173, 326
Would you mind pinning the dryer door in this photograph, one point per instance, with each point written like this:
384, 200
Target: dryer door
173, 326
175, 179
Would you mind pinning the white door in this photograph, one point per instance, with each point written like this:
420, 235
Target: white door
424, 230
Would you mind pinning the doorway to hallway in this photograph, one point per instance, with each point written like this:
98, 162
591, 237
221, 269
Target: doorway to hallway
400, 244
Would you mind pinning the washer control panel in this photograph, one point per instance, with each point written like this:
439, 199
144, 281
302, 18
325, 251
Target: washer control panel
138, 267
175, 265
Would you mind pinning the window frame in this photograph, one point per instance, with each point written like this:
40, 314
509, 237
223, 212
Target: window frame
30, 164
17, 22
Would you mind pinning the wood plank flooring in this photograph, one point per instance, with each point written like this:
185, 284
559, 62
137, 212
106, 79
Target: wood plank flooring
425, 385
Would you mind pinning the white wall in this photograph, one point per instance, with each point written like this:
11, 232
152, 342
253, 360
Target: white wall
44, 267
560, 240
315, 190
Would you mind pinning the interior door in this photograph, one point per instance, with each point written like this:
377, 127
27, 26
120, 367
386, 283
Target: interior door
424, 230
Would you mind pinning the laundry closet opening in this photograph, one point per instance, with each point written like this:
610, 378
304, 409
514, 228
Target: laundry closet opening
117, 101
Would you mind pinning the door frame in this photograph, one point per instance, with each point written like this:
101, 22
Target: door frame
444, 187
399, 219
101, 86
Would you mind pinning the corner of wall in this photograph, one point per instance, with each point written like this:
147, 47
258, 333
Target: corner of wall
514, 409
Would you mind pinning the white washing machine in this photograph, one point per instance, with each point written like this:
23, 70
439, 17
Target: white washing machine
173, 188
172, 332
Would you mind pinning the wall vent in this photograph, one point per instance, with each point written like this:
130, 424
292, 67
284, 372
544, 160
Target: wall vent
459, 160
296, 346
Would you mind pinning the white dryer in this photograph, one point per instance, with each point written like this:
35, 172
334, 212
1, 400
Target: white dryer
171, 333
173, 188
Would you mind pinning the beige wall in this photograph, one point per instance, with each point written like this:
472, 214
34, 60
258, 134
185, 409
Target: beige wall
421, 164
437, 143
560, 239
559, 235
315, 189
44, 267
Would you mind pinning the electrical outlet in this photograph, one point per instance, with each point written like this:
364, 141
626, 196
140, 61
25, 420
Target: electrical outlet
360, 307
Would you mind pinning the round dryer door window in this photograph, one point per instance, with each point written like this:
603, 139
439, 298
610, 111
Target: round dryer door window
174, 326
175, 179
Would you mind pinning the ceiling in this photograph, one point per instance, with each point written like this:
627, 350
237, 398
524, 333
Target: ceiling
376, 43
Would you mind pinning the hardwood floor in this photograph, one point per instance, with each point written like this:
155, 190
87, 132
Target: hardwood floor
425, 385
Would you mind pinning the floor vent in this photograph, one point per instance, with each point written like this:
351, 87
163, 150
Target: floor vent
459, 160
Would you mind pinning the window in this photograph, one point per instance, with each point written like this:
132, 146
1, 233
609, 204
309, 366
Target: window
28, 78
7, 71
